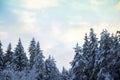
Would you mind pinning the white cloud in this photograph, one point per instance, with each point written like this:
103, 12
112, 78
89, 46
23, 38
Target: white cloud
3, 35
35, 4
76, 34
94, 2
57, 41
111, 28
100, 2
74, 19
118, 6
27, 20
77, 6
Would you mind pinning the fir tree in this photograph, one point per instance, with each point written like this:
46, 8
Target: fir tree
78, 65
93, 49
65, 74
8, 57
86, 47
39, 63
1, 57
104, 51
20, 58
32, 52
51, 71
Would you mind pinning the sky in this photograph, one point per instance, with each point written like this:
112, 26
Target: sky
57, 24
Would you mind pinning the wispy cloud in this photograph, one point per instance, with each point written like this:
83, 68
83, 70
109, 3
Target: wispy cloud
57, 24
36, 4
26, 20
118, 6
3, 35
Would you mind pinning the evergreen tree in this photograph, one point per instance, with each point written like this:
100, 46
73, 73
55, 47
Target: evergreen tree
20, 58
70, 74
104, 51
113, 58
51, 71
39, 63
1, 57
8, 57
78, 65
65, 74
116, 67
86, 48
32, 52
92, 46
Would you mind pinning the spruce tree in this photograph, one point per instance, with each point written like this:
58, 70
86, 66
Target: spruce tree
20, 58
1, 57
91, 55
65, 74
114, 58
78, 65
8, 56
51, 71
86, 48
32, 52
104, 50
39, 63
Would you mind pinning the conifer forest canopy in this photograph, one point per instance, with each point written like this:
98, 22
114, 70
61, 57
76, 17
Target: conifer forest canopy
96, 59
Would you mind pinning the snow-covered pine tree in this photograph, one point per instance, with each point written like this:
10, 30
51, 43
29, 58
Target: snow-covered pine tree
70, 74
117, 51
1, 57
8, 57
7, 73
1, 61
103, 55
86, 48
19, 58
78, 65
65, 74
90, 49
51, 71
38, 65
32, 52
114, 58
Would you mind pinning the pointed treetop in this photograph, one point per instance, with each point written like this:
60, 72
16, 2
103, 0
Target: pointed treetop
19, 41
1, 52
77, 48
86, 37
91, 29
49, 57
38, 45
64, 68
0, 43
33, 39
33, 42
104, 31
53, 59
118, 34
9, 47
92, 32
19, 45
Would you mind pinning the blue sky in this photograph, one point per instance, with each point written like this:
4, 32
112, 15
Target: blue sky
57, 24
